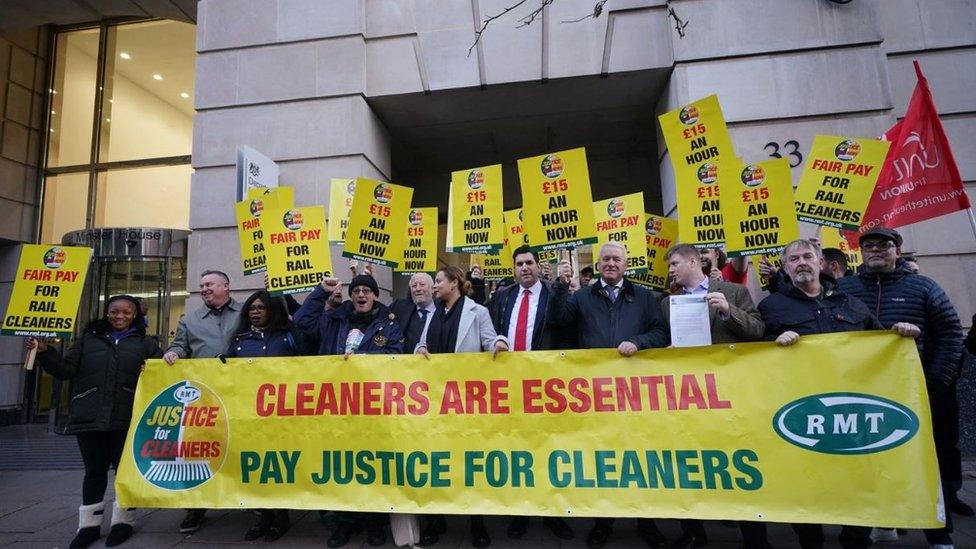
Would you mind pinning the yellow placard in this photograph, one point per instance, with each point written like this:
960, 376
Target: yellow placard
621, 219
420, 250
838, 180
776, 259
698, 140
297, 248
842, 423
341, 193
475, 215
557, 204
47, 290
249, 232
757, 207
660, 233
832, 238
377, 223
274, 197
250, 235
516, 235
498, 266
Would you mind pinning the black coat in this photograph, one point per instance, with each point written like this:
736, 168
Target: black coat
598, 323
903, 296
502, 306
103, 375
792, 310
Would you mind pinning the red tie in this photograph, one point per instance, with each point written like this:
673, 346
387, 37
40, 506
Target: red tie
521, 324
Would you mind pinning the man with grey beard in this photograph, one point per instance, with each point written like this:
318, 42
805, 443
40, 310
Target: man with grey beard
812, 304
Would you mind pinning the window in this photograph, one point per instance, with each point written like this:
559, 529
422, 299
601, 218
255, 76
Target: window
120, 128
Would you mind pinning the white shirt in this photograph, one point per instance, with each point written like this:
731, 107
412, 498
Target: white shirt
536, 290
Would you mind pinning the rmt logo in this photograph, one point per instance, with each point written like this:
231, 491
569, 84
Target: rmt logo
845, 423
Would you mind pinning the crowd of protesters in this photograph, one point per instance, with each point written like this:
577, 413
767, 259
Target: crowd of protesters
814, 292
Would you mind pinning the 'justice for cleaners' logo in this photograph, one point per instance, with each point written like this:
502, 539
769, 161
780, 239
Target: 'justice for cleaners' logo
181, 440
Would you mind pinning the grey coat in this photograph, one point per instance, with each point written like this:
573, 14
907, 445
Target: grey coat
204, 334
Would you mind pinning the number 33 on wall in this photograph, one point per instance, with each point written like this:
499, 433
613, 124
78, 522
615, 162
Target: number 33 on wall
794, 153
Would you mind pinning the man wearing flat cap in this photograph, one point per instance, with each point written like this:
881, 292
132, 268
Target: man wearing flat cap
359, 325
900, 298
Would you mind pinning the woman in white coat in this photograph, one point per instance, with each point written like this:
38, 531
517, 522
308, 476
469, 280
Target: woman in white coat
459, 325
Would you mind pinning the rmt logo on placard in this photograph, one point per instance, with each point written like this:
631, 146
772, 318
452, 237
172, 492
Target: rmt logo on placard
845, 423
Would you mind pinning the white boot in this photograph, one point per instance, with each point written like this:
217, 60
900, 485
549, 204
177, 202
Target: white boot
89, 525
123, 521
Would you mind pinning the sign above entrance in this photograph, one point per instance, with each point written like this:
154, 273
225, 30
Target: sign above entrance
254, 170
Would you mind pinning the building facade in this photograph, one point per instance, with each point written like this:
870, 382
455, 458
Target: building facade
401, 90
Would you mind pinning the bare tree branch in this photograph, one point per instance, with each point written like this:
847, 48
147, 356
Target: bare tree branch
679, 23
489, 19
597, 10
528, 19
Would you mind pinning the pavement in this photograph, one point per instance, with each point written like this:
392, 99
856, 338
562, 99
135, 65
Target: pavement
39, 499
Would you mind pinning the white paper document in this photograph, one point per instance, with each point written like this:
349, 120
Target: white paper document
689, 321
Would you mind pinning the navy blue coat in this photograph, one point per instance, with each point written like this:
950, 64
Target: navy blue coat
903, 296
790, 309
326, 331
258, 344
634, 316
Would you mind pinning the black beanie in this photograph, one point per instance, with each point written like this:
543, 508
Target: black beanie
364, 280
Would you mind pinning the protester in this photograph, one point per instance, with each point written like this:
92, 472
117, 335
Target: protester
585, 276
897, 295
814, 304
413, 315
735, 271
205, 333
459, 325
611, 313
733, 318
265, 330
360, 325
911, 262
103, 364
835, 263
520, 315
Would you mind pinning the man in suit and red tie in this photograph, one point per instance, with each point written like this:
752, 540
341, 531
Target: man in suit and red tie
519, 313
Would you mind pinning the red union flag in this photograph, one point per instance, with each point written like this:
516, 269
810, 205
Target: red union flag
919, 179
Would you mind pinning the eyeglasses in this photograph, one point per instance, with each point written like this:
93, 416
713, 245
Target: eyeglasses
257, 308
882, 245
362, 290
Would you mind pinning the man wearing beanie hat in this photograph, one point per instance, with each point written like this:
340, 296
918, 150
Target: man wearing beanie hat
900, 298
360, 325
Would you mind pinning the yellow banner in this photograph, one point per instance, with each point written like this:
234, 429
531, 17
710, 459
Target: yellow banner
341, 192
476, 219
832, 238
621, 219
557, 204
47, 290
420, 251
698, 141
297, 248
757, 207
376, 232
660, 233
842, 423
249, 232
838, 180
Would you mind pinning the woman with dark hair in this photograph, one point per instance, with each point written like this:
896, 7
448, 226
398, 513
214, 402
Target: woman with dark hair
459, 325
103, 363
265, 330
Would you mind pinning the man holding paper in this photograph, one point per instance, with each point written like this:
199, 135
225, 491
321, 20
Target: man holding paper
729, 315
732, 315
